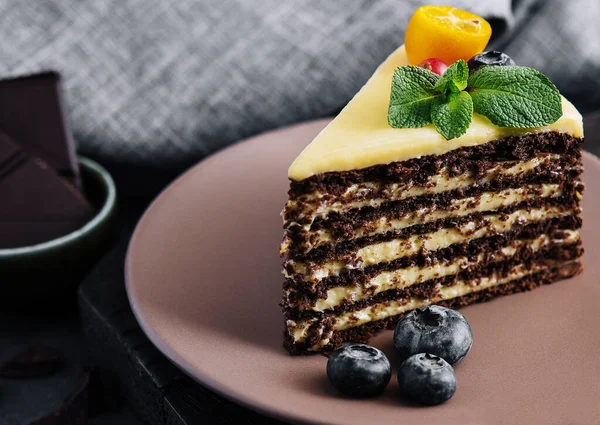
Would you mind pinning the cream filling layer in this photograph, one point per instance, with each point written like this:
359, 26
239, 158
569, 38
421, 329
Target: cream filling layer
299, 329
403, 278
443, 238
487, 201
318, 205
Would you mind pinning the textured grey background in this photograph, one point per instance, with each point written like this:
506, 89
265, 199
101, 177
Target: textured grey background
163, 83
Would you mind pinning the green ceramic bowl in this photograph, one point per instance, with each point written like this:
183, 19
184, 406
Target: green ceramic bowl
51, 270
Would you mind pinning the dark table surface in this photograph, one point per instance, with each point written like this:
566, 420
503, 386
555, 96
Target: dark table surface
24, 400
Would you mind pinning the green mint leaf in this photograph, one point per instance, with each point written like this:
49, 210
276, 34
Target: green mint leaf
412, 97
514, 96
454, 79
452, 117
450, 91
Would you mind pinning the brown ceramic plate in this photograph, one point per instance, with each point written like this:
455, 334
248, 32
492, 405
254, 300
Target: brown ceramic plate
203, 277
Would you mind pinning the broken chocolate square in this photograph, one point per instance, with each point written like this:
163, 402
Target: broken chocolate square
37, 204
33, 111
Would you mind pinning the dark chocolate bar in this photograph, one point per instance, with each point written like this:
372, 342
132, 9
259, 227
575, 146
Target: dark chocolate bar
33, 112
36, 204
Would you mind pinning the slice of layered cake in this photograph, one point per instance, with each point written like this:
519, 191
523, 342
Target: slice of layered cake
430, 189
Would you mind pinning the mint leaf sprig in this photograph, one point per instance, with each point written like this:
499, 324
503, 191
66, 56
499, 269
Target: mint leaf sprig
509, 96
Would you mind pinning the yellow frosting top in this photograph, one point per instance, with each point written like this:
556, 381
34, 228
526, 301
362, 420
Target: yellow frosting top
360, 135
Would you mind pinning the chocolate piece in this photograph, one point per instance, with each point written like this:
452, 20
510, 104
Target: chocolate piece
32, 111
35, 360
37, 204
87, 399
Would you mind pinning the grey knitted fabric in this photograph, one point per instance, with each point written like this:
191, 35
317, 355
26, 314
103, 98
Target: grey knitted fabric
163, 83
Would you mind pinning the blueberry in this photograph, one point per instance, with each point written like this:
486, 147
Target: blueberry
427, 379
436, 330
492, 58
359, 370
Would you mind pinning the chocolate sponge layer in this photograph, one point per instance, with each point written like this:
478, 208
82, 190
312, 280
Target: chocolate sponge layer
459, 161
297, 306
364, 332
342, 247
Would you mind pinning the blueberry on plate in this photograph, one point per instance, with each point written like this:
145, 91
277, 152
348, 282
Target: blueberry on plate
436, 330
427, 379
492, 58
359, 370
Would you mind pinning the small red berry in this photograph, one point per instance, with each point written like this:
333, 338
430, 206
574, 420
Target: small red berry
434, 65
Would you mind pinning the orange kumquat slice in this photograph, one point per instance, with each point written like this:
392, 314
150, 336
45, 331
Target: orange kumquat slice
445, 33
